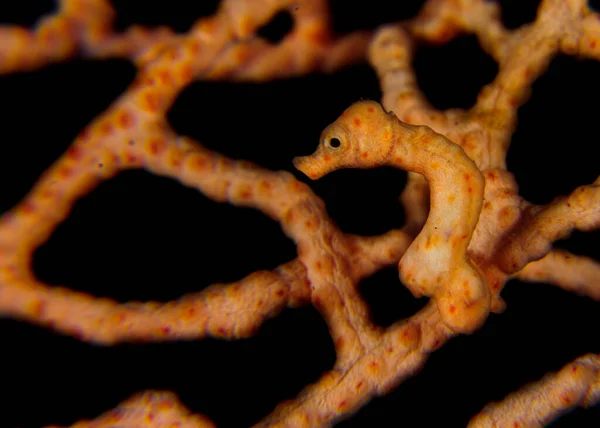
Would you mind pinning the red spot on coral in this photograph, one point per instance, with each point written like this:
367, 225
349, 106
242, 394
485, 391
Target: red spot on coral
398, 159
198, 163
342, 404
125, 119
452, 309
130, 159
105, 128
150, 101
312, 175
593, 44
370, 110
470, 190
364, 155
165, 329
357, 121
265, 185
280, 293
74, 152
505, 213
165, 77
566, 399
148, 81
64, 172
27, 207
318, 265
246, 194
174, 54
11, 270
410, 335
467, 176
48, 35
289, 216
156, 146
115, 416
193, 46
175, 160
186, 74
327, 158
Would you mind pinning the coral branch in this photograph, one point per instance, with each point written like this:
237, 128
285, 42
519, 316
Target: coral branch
150, 408
400, 353
577, 274
577, 384
544, 225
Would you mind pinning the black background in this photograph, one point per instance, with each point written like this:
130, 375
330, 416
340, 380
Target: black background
144, 237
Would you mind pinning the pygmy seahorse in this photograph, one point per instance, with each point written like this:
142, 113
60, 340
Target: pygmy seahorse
436, 263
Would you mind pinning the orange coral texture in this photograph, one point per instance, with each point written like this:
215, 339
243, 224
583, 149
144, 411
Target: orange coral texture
467, 230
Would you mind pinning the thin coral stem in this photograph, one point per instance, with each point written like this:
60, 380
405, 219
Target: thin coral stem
571, 272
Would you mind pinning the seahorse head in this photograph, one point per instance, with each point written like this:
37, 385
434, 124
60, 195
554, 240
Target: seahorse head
360, 138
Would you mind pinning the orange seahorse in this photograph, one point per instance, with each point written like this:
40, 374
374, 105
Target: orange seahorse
436, 263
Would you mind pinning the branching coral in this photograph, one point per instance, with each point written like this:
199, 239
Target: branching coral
475, 209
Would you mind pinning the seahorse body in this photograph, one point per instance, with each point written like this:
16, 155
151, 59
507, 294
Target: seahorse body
436, 263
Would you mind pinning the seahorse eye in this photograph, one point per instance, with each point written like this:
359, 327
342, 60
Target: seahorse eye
333, 143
